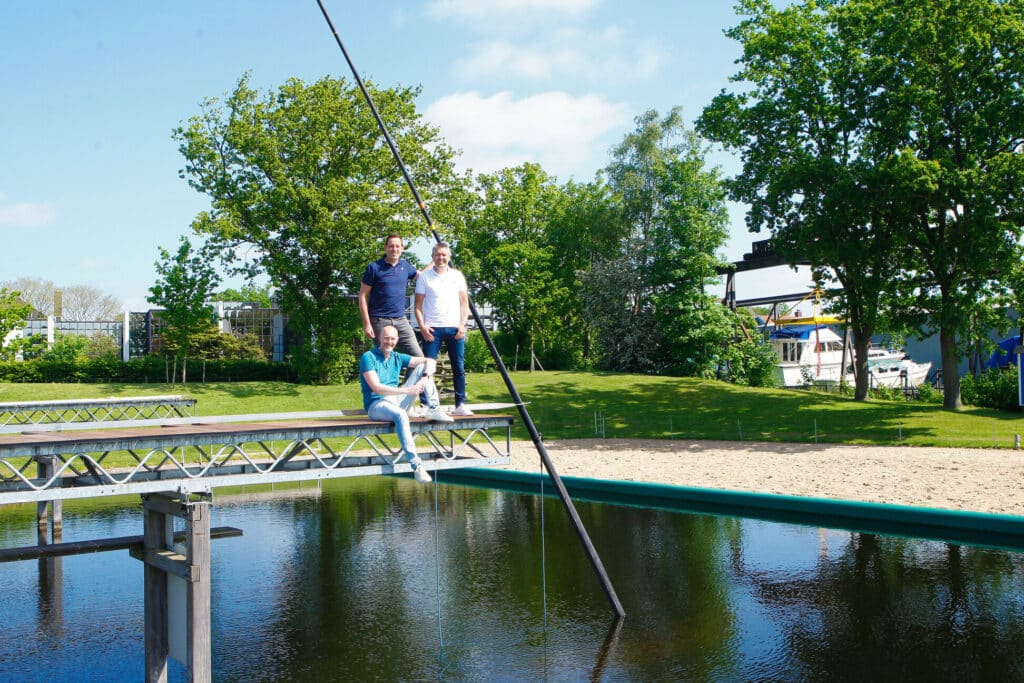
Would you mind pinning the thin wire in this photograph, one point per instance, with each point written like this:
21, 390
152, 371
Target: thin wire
543, 568
543, 554
437, 576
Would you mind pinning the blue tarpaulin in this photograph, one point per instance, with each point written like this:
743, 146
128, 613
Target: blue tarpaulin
795, 331
1004, 356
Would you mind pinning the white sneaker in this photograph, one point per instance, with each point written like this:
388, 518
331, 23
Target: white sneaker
416, 411
462, 411
421, 475
438, 415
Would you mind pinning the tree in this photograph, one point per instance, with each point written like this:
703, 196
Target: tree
880, 140
35, 292
78, 302
948, 107
646, 298
186, 281
76, 348
807, 178
13, 313
303, 187
510, 256
84, 302
247, 294
209, 343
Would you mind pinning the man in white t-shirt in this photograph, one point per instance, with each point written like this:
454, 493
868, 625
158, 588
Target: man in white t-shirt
442, 311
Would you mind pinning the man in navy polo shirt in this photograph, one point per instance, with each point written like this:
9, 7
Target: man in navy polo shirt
383, 296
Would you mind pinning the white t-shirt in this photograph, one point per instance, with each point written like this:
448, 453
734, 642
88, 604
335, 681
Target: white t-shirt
441, 297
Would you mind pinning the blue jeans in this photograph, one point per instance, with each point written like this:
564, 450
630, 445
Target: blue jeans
456, 357
394, 409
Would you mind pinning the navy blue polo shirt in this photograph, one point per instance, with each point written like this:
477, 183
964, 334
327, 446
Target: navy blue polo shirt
388, 284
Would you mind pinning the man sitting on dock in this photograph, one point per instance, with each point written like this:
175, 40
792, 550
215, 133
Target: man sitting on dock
385, 400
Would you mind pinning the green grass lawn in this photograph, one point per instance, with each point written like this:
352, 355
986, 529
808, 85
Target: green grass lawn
582, 404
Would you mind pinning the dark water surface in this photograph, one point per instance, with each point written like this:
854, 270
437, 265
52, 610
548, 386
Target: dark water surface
344, 586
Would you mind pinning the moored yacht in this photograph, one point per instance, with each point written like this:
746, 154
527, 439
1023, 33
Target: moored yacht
812, 352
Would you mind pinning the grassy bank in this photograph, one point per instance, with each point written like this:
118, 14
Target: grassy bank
585, 404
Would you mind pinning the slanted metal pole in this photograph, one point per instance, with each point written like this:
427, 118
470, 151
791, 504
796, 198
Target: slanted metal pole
577, 523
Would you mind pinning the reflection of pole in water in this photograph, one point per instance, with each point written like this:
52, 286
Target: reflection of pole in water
51, 585
50, 529
611, 639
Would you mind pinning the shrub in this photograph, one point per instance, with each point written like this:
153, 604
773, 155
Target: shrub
993, 388
751, 362
478, 356
926, 393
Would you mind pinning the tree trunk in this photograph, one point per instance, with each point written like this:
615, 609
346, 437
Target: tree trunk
861, 378
950, 370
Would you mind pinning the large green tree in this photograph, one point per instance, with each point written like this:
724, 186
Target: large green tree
880, 140
304, 188
646, 297
947, 115
797, 120
512, 260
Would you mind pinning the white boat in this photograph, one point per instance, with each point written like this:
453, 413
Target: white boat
811, 353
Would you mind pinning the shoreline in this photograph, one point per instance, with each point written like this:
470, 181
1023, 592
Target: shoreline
970, 479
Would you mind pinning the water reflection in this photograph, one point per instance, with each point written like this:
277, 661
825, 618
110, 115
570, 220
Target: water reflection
350, 583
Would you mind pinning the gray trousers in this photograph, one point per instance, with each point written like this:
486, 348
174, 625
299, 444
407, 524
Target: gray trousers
406, 336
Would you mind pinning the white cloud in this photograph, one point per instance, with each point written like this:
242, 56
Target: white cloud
25, 214
603, 56
488, 10
557, 130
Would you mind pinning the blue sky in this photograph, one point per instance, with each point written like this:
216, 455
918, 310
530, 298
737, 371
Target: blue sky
89, 185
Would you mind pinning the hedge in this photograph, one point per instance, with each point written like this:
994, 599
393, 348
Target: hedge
148, 369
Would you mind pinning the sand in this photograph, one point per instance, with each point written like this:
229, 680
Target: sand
978, 480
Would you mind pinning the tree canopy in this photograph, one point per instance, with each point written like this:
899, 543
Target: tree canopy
881, 140
511, 258
646, 295
78, 302
304, 189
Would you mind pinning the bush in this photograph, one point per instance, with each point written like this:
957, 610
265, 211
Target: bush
991, 389
478, 356
751, 362
926, 393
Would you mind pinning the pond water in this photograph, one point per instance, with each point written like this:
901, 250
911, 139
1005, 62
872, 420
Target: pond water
349, 583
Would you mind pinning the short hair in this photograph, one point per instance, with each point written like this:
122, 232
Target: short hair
440, 245
392, 236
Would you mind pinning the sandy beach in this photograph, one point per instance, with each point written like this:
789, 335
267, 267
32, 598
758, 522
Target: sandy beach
980, 480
